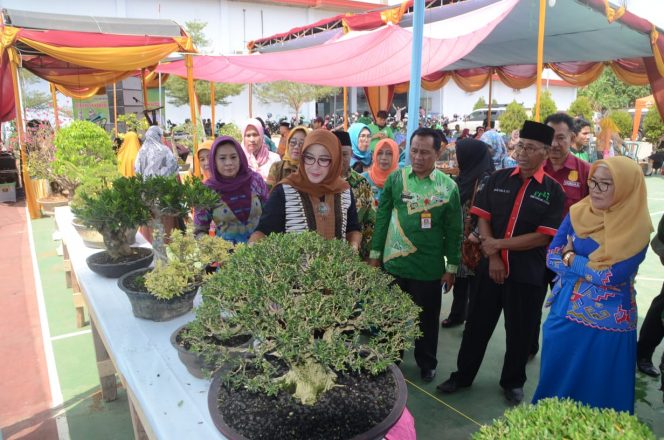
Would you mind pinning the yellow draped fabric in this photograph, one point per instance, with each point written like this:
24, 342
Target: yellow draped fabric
515, 82
659, 59
127, 154
434, 84
83, 93
471, 83
611, 13
632, 78
579, 79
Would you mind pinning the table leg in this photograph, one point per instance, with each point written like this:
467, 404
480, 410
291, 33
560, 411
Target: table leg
79, 302
139, 430
67, 265
105, 368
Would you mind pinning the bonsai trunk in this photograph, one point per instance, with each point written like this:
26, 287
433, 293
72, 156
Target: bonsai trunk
310, 379
116, 243
158, 244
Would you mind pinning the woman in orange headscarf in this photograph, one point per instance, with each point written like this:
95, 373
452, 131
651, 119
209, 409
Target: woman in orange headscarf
318, 198
204, 158
385, 160
127, 154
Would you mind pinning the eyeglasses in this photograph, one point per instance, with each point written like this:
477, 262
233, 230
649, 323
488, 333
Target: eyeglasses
599, 186
322, 161
294, 143
528, 149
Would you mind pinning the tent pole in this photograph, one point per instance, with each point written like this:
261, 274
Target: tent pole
189, 60
540, 57
55, 106
30, 197
345, 108
115, 109
213, 105
488, 115
415, 74
145, 90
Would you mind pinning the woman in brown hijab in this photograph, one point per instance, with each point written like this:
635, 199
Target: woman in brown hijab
315, 198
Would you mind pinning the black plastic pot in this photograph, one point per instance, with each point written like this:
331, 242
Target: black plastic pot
196, 363
143, 258
376, 433
147, 306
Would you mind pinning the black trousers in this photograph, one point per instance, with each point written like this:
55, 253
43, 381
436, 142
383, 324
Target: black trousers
520, 303
426, 294
460, 292
652, 330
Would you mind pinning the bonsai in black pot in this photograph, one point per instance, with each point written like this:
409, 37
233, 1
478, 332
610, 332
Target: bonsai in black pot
169, 289
327, 328
113, 212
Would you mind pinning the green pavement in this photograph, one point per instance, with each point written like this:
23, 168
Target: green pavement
436, 416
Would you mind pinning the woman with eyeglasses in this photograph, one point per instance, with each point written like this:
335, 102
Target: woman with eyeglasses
360, 139
315, 198
291, 159
589, 337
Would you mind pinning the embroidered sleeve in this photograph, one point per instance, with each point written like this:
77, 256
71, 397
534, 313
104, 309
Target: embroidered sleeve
619, 273
554, 255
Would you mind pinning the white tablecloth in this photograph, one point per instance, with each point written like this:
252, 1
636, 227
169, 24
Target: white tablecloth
171, 402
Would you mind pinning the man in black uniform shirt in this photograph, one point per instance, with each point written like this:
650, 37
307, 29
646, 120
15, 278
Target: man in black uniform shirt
519, 211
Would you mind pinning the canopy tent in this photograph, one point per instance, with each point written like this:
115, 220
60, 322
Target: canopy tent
79, 56
641, 103
581, 38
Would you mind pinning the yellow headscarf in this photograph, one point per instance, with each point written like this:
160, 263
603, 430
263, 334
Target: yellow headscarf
287, 157
623, 230
127, 154
203, 147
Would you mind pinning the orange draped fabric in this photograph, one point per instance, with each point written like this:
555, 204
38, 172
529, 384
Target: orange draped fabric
578, 77
471, 80
379, 98
82, 93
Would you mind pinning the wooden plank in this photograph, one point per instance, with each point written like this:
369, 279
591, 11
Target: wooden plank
79, 302
67, 264
139, 430
107, 380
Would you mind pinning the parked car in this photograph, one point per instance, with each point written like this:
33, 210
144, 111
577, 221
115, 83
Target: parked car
478, 117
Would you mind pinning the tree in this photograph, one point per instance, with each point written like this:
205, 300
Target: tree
653, 128
33, 99
513, 118
292, 94
480, 103
583, 107
547, 105
176, 87
608, 92
623, 121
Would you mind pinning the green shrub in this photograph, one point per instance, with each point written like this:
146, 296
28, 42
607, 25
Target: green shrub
623, 121
232, 130
547, 105
513, 117
581, 107
318, 312
653, 128
564, 419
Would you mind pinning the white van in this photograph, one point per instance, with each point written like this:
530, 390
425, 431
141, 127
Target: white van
477, 117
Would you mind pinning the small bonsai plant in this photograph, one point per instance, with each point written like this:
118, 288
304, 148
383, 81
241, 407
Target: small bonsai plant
320, 312
185, 268
94, 180
558, 419
165, 196
112, 212
79, 146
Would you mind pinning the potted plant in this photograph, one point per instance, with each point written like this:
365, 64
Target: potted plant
167, 198
328, 330
564, 419
169, 289
93, 181
113, 212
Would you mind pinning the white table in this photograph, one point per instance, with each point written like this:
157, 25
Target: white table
166, 402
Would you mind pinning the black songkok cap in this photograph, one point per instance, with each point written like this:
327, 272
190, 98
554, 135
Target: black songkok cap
344, 138
536, 131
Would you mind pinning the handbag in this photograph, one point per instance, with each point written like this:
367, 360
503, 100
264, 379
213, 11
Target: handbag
471, 252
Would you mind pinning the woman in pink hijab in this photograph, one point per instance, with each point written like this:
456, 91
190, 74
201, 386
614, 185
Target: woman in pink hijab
259, 157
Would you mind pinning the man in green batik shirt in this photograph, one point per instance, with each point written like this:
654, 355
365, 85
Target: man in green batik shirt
418, 237
380, 130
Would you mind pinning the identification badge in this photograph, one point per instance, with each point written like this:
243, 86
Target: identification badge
425, 220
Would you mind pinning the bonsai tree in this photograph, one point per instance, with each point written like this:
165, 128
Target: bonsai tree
165, 196
79, 146
185, 269
318, 313
112, 212
564, 419
94, 180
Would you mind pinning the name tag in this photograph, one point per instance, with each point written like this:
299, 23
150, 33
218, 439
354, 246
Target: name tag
425, 220
573, 184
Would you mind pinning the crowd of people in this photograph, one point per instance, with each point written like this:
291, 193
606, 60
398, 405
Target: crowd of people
538, 215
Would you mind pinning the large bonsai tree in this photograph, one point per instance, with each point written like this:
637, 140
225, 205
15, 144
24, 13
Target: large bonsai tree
165, 196
112, 212
318, 312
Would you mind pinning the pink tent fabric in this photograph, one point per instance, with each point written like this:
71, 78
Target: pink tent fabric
357, 59
7, 105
